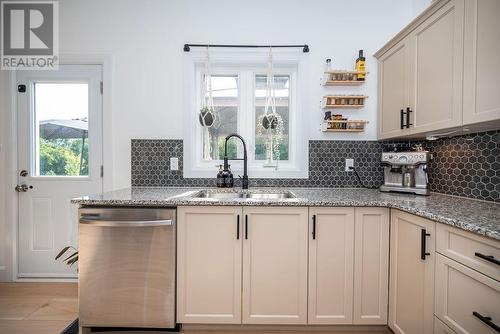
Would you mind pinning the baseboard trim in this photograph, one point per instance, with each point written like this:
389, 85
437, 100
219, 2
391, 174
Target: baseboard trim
309, 328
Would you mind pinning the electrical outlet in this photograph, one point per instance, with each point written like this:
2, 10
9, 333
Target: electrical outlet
174, 163
349, 163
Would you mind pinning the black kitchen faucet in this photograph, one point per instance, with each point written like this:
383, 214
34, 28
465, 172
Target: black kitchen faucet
244, 179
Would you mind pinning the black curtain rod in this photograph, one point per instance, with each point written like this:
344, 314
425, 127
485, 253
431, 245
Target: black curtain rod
187, 47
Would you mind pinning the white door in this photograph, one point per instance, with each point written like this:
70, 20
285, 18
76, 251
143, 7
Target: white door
331, 261
209, 259
275, 265
59, 119
411, 282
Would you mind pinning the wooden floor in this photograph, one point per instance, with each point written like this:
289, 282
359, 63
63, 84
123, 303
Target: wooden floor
47, 308
37, 308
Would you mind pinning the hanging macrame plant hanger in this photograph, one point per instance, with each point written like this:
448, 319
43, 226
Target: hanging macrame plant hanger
271, 123
207, 116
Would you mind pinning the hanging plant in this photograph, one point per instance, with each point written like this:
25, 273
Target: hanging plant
270, 123
207, 115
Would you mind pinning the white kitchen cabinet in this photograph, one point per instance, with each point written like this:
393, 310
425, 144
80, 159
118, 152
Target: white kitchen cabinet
475, 251
371, 266
411, 286
481, 75
436, 67
275, 265
331, 260
466, 300
209, 252
450, 80
393, 90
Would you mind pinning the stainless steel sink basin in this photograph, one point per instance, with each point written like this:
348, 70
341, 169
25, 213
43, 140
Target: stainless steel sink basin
252, 195
280, 195
218, 195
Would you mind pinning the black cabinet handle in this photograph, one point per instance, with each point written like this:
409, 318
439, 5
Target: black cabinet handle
402, 119
314, 227
238, 227
408, 111
487, 320
423, 251
246, 227
489, 258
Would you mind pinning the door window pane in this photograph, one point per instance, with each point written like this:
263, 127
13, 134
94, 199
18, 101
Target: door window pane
61, 144
282, 94
225, 92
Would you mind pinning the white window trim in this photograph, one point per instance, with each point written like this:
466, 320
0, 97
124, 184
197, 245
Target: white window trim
285, 62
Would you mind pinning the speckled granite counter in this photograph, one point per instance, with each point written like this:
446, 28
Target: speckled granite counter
471, 215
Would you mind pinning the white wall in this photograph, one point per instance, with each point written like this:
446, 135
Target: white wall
144, 39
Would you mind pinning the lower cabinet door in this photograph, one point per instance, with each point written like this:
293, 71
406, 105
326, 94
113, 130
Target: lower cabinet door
466, 300
331, 251
371, 266
209, 250
275, 265
412, 258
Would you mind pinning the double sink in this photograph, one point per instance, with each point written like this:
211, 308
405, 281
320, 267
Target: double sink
244, 195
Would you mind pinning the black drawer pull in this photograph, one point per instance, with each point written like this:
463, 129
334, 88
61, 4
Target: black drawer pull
402, 119
246, 227
487, 320
489, 258
238, 228
314, 227
423, 251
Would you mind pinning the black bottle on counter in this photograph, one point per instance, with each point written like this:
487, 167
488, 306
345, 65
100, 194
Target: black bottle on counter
228, 177
220, 178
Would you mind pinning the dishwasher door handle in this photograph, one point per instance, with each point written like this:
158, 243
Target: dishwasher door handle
125, 223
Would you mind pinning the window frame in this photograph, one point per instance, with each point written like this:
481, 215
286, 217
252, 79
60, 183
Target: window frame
246, 66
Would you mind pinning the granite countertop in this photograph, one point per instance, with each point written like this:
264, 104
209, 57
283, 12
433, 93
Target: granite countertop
472, 215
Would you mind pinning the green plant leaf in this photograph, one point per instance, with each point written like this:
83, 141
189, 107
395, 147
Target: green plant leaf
72, 261
62, 252
69, 257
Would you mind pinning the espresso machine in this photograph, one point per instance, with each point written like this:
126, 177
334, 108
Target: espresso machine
406, 172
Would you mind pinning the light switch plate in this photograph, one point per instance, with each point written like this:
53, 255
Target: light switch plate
349, 163
174, 163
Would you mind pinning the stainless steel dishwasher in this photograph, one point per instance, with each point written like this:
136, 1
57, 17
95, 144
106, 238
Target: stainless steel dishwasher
127, 267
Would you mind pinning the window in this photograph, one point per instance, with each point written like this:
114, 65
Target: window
61, 112
239, 95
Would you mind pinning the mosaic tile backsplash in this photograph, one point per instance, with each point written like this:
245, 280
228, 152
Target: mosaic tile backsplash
466, 166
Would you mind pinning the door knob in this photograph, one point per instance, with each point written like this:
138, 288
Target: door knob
22, 188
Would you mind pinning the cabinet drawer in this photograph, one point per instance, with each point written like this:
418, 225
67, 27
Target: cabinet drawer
463, 295
469, 249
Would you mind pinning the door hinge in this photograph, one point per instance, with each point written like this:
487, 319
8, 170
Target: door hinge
101, 87
102, 171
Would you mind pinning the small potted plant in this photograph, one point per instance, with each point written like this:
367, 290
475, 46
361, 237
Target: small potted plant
73, 255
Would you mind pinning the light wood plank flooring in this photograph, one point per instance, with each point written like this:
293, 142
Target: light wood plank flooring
47, 308
41, 308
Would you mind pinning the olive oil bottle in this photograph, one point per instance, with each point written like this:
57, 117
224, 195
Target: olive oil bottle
360, 66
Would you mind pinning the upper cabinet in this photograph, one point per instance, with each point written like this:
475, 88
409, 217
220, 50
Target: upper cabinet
481, 76
436, 75
394, 89
436, 70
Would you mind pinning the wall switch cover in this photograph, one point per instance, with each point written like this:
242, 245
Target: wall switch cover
174, 163
349, 163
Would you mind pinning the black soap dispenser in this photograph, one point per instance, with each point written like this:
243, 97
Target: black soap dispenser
220, 177
228, 177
